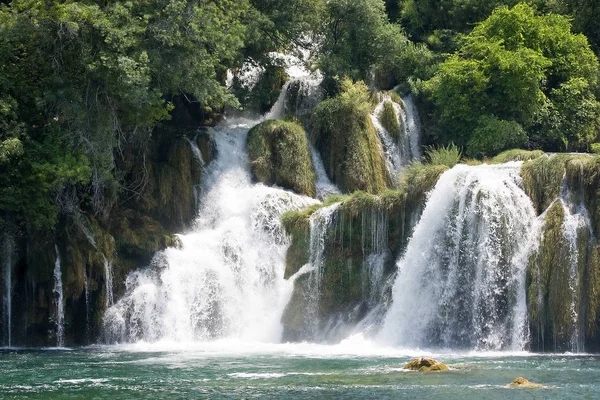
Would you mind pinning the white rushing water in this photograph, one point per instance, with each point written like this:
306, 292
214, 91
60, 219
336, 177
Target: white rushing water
320, 222
59, 317
226, 280
8, 248
406, 148
461, 281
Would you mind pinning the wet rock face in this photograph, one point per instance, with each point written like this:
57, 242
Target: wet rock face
162, 180
426, 365
563, 282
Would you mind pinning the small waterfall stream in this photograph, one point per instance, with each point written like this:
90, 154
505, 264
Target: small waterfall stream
320, 222
399, 148
8, 249
577, 231
59, 301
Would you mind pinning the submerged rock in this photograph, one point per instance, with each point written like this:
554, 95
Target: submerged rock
423, 364
523, 383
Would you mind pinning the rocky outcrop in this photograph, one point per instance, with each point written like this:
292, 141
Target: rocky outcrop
563, 281
279, 155
426, 365
344, 135
523, 383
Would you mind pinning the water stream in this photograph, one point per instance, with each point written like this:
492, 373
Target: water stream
59, 304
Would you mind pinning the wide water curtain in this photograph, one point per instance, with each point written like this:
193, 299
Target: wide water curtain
461, 282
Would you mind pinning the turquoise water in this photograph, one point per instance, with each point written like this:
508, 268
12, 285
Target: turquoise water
238, 370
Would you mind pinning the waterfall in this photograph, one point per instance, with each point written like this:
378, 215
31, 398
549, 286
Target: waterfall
577, 229
412, 126
226, 280
108, 267
109, 300
86, 291
8, 253
59, 302
323, 184
320, 222
399, 151
461, 281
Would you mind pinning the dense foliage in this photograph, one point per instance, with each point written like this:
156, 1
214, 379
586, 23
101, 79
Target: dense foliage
83, 83
518, 71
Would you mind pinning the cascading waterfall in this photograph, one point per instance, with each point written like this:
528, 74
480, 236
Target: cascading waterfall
461, 281
86, 291
306, 96
108, 276
8, 260
226, 280
320, 222
108, 267
198, 155
323, 185
576, 228
401, 151
412, 126
59, 301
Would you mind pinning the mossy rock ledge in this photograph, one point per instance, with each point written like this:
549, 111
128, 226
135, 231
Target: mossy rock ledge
279, 155
348, 288
423, 364
343, 133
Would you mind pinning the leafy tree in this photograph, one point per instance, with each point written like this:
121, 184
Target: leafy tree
80, 79
519, 67
357, 35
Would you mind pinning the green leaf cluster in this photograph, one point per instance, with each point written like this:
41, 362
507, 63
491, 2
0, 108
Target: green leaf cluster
518, 77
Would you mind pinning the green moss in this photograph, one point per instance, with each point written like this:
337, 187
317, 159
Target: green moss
592, 294
542, 178
279, 154
516, 155
388, 119
548, 292
344, 134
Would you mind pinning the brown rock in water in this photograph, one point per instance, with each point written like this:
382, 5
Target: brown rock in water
521, 382
426, 365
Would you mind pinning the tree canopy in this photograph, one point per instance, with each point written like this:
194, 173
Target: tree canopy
521, 68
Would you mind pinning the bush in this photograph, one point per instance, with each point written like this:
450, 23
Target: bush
448, 156
493, 135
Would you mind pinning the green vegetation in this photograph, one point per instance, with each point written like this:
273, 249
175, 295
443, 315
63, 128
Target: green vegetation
516, 155
518, 76
279, 154
344, 134
449, 155
388, 119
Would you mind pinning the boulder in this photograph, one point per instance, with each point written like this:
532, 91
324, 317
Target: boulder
423, 364
523, 383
